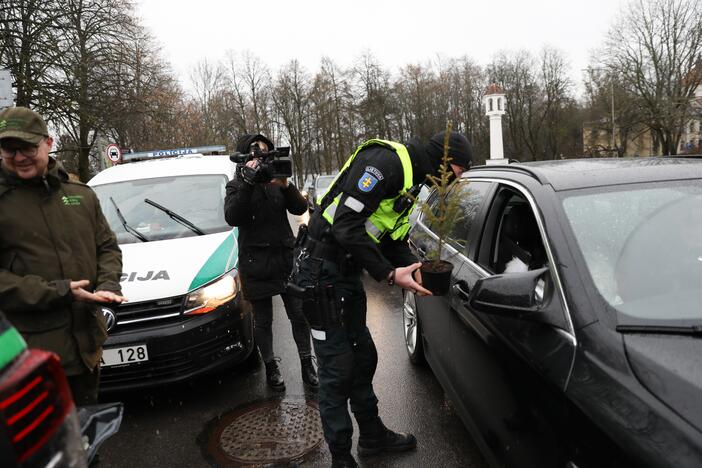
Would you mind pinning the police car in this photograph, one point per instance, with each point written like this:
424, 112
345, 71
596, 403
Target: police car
185, 314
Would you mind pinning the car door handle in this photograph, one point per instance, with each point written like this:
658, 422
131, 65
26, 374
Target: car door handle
462, 290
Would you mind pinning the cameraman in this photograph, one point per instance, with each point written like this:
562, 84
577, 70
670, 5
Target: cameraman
258, 205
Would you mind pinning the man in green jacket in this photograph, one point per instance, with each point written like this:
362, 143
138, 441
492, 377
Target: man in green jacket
59, 260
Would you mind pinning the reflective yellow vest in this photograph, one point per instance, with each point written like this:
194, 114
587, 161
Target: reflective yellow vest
384, 219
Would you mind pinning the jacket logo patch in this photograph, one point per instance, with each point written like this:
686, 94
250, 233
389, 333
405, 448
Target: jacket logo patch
375, 171
72, 200
367, 182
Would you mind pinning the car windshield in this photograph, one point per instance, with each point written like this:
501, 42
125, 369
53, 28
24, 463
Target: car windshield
323, 182
197, 198
642, 244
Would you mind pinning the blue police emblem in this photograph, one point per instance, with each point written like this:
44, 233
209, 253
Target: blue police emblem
367, 182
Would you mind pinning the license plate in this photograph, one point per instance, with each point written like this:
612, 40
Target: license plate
126, 355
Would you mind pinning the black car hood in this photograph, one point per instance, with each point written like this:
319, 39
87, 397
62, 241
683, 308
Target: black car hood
669, 366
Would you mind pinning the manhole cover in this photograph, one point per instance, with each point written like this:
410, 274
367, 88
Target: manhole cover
273, 431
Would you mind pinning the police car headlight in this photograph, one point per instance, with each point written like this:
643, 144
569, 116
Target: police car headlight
209, 297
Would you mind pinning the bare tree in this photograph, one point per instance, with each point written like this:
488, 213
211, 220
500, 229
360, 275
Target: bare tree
342, 111
375, 104
539, 100
91, 34
28, 46
654, 49
208, 81
248, 95
612, 109
292, 103
146, 102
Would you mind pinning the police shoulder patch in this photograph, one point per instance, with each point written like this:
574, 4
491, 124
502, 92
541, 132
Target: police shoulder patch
367, 182
375, 171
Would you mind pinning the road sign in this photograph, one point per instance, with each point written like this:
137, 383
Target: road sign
114, 153
7, 96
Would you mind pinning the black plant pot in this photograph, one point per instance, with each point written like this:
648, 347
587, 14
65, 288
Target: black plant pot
436, 277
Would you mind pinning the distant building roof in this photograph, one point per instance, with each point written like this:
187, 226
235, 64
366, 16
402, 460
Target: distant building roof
494, 89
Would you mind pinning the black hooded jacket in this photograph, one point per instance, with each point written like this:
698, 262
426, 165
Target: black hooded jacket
265, 236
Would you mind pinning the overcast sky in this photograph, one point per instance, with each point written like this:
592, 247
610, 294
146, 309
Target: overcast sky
397, 32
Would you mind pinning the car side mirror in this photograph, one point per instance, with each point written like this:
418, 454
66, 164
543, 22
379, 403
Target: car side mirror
511, 294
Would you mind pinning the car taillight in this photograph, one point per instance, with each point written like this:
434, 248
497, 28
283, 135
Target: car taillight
34, 401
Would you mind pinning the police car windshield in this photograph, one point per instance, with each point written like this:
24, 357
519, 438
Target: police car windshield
642, 244
199, 198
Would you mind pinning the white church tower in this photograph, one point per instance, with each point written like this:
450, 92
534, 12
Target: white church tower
495, 106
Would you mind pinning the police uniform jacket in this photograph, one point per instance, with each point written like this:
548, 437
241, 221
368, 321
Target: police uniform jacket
52, 232
265, 236
359, 201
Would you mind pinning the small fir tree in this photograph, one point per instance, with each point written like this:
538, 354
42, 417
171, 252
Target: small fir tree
448, 209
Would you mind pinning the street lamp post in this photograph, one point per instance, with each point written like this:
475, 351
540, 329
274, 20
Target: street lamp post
611, 90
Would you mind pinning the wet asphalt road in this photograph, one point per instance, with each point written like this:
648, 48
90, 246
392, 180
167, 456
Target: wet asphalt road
170, 427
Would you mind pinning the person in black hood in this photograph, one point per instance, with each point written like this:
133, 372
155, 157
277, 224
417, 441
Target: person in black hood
259, 209
362, 224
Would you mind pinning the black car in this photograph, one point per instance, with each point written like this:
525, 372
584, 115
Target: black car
317, 189
39, 423
571, 333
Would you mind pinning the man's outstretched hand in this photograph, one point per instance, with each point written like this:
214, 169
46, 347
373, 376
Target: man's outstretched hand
83, 295
404, 278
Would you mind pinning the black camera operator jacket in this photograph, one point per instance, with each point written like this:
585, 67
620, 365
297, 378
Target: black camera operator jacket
265, 236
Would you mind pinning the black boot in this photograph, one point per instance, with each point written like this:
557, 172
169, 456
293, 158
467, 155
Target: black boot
385, 440
343, 461
309, 374
273, 377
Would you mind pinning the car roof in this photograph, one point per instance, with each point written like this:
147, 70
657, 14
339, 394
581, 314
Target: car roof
191, 164
569, 174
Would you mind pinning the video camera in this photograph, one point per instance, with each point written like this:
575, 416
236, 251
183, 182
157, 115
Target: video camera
274, 164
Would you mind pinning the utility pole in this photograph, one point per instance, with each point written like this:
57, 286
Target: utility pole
612, 143
7, 96
611, 88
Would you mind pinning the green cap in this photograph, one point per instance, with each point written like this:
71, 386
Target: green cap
23, 124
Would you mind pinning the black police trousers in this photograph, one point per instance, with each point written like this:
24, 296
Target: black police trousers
347, 359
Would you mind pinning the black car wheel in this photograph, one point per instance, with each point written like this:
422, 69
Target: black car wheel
413, 336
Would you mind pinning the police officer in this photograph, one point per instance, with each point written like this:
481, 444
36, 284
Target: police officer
259, 208
362, 224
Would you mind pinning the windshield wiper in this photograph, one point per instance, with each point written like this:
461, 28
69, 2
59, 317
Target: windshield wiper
126, 226
176, 217
694, 330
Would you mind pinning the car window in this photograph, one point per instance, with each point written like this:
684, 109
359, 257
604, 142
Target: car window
514, 243
642, 244
471, 195
198, 198
323, 182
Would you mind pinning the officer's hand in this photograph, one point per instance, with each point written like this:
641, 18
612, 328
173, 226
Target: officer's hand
111, 296
404, 279
282, 181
